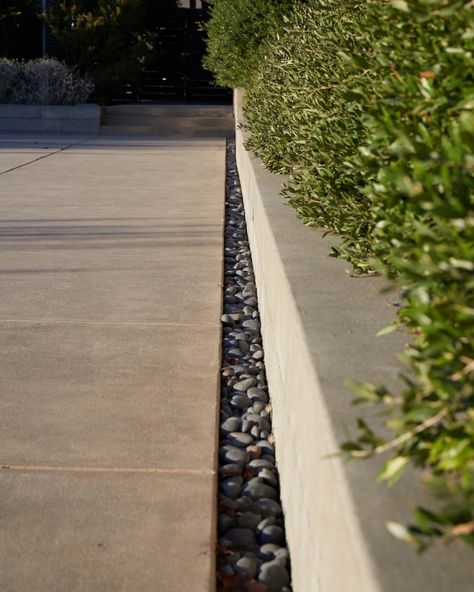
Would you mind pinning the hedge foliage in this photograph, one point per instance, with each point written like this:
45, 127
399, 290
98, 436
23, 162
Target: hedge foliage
369, 108
237, 32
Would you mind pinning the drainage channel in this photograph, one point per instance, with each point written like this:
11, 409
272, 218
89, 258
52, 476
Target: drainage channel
252, 555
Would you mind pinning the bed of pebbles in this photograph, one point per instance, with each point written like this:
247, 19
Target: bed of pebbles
252, 552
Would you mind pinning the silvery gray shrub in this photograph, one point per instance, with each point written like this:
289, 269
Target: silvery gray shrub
9, 71
44, 81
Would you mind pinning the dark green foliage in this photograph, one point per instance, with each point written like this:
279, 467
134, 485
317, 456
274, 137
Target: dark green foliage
236, 33
419, 152
20, 29
304, 109
109, 40
368, 106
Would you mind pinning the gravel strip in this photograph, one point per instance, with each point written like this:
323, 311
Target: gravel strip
252, 551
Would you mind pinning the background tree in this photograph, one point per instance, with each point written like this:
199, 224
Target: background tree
108, 40
20, 29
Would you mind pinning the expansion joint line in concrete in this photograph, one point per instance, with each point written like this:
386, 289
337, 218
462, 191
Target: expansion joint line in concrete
93, 322
62, 149
146, 470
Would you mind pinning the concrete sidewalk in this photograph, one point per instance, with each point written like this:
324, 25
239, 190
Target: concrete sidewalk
110, 298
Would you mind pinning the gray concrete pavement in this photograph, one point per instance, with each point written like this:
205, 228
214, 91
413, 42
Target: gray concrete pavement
110, 273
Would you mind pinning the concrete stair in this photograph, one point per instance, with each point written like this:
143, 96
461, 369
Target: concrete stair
189, 120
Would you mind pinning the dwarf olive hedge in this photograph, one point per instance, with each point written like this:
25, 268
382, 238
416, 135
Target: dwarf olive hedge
369, 108
236, 35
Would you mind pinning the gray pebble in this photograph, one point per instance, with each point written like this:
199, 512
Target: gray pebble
231, 488
267, 552
282, 555
268, 507
268, 521
258, 355
227, 319
268, 477
244, 504
246, 426
244, 385
241, 337
248, 520
244, 346
274, 575
255, 432
232, 454
242, 538
247, 565
266, 447
257, 463
232, 424
257, 393
256, 489
230, 470
253, 418
234, 353
262, 423
272, 534
258, 406
240, 401
240, 439
251, 324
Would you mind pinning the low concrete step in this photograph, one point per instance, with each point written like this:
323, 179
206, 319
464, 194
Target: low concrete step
167, 110
162, 130
168, 120
181, 122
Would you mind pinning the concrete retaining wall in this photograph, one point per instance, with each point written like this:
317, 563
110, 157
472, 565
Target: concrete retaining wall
319, 327
50, 118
